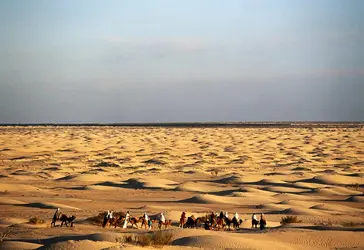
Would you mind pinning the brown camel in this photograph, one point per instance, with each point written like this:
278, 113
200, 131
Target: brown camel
166, 224
64, 219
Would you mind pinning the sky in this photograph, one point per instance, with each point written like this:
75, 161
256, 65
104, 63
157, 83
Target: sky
89, 61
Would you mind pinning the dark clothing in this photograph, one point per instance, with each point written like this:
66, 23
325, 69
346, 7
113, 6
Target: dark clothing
263, 224
56, 215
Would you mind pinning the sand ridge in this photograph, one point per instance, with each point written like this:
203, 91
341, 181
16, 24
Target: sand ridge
314, 174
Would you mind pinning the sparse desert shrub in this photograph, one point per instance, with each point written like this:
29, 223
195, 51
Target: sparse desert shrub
107, 164
290, 219
144, 240
352, 224
155, 162
355, 186
158, 238
327, 223
128, 239
229, 149
4, 192
215, 172
161, 238
36, 221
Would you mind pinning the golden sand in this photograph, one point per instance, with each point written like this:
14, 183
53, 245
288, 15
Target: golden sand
316, 174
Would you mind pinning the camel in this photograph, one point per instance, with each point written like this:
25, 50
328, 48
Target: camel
220, 223
236, 223
64, 219
107, 221
135, 220
144, 222
227, 223
114, 221
193, 222
166, 224
117, 221
255, 223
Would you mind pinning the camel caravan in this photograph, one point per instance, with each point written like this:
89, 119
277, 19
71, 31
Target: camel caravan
212, 221
146, 221
216, 221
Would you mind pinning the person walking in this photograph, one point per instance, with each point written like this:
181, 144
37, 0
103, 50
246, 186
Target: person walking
127, 216
146, 220
162, 218
55, 217
226, 215
255, 221
236, 216
262, 222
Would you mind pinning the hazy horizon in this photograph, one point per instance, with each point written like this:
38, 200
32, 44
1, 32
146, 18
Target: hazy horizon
181, 61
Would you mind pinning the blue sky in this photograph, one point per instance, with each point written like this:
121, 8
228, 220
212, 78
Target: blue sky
168, 61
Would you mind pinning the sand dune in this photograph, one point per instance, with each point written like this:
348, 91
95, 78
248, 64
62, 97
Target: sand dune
7, 201
334, 191
308, 185
272, 206
270, 182
154, 183
86, 178
4, 222
255, 191
18, 245
254, 198
80, 245
201, 187
100, 187
356, 198
286, 196
284, 189
142, 183
336, 208
212, 199
228, 242
6, 187
234, 179
299, 203
315, 174
49, 205
337, 180
302, 211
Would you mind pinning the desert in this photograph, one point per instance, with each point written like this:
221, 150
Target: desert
313, 176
